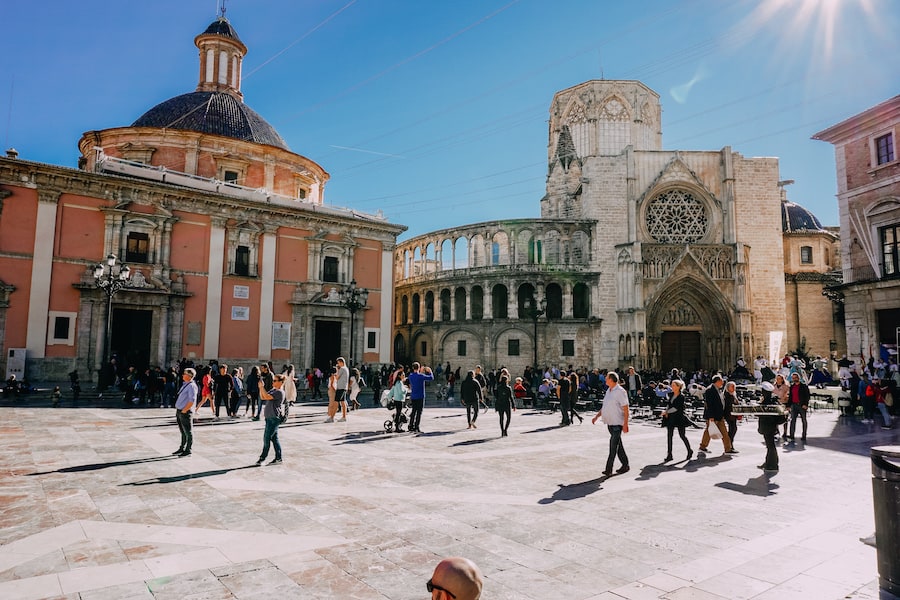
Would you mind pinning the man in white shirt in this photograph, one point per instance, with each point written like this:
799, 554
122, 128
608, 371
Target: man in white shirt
184, 407
615, 414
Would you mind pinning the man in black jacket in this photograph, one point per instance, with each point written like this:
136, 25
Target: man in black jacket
798, 400
223, 384
714, 414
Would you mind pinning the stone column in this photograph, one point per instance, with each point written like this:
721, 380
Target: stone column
385, 296
267, 291
41, 272
161, 354
215, 267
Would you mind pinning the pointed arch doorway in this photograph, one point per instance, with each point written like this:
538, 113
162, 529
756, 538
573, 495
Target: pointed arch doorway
690, 327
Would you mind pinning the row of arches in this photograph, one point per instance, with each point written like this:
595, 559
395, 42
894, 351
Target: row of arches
482, 249
477, 303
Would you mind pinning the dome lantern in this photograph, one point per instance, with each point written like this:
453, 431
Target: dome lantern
221, 56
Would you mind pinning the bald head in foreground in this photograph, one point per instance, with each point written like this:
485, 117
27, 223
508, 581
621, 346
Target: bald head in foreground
455, 578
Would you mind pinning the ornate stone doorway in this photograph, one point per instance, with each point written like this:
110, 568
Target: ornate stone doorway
690, 326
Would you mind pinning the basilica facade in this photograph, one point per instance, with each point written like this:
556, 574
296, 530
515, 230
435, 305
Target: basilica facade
231, 252
642, 256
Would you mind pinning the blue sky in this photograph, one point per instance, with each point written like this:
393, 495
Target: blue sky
436, 111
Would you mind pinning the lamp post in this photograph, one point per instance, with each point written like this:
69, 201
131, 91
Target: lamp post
535, 311
110, 278
353, 299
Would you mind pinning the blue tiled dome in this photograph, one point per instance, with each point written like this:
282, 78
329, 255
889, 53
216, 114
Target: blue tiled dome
216, 113
796, 218
222, 27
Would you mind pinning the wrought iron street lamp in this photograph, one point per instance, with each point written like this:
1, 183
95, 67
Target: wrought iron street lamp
110, 278
535, 311
353, 299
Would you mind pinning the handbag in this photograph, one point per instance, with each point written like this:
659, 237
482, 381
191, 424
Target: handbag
713, 431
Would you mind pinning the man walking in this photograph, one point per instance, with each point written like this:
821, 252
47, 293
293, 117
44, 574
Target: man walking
274, 409
184, 411
614, 413
714, 414
417, 378
223, 385
798, 400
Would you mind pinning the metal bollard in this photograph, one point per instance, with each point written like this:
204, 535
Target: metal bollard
886, 498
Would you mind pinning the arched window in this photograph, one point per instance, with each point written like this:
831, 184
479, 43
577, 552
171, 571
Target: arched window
461, 250
417, 262
447, 255
416, 307
554, 301
500, 249
477, 302
404, 310
429, 307
460, 301
430, 259
499, 302
581, 301
400, 355
535, 251
445, 305
551, 247
525, 300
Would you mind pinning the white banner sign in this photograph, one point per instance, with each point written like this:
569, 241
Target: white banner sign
240, 313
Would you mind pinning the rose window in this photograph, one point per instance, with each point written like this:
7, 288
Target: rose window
676, 217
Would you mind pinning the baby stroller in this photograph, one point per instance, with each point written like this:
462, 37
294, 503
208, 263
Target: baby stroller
391, 406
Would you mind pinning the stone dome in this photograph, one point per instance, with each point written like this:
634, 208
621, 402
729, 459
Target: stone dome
796, 218
216, 113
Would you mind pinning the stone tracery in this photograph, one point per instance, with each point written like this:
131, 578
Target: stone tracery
677, 217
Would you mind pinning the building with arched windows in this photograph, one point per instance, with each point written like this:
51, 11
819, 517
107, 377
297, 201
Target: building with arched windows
232, 252
645, 256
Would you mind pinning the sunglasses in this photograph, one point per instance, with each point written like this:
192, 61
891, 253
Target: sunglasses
431, 587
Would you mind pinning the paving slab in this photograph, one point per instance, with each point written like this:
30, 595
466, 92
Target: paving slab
93, 506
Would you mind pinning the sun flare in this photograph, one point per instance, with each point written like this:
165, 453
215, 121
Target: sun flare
816, 20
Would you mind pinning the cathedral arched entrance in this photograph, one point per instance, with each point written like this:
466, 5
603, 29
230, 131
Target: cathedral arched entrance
690, 327
681, 349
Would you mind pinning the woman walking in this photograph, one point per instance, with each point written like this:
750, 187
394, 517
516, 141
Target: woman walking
355, 388
573, 397
504, 405
563, 391
674, 418
470, 394
397, 395
206, 392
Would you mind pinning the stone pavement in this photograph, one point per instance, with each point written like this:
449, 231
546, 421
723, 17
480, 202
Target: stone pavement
93, 506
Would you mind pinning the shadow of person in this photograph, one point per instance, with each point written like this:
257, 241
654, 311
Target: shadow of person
186, 476
106, 465
543, 429
574, 491
473, 442
756, 486
651, 471
703, 461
